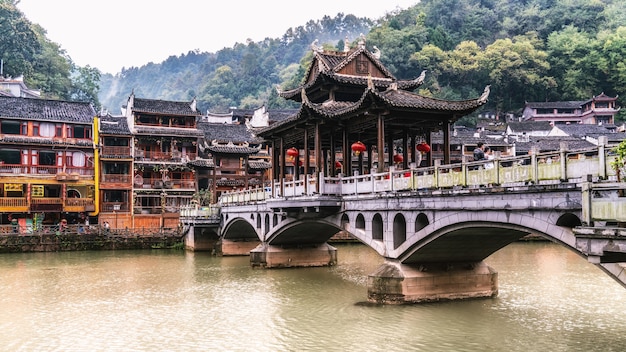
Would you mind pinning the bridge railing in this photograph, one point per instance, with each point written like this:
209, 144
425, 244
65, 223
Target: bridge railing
197, 211
603, 202
538, 168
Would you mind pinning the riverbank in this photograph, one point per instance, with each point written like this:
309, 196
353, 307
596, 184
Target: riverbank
94, 238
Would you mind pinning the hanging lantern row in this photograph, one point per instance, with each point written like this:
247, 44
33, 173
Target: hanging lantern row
358, 147
423, 147
398, 158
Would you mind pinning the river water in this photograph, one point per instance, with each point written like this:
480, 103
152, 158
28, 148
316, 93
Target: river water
160, 300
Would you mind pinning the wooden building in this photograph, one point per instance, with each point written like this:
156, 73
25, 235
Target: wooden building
232, 158
47, 161
116, 176
165, 139
350, 97
600, 109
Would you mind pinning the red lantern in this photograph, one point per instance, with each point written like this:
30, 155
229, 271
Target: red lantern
423, 147
292, 152
398, 158
358, 147
338, 165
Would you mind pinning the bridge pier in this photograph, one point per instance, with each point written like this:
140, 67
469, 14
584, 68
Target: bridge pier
201, 238
231, 248
269, 256
395, 283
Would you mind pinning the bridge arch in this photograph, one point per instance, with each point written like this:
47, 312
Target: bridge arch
302, 232
421, 221
267, 224
359, 223
378, 228
399, 230
499, 228
239, 228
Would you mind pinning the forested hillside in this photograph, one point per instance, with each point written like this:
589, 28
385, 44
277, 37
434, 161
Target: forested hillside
25, 51
527, 50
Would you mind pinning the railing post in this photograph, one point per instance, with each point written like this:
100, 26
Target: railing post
437, 165
586, 203
563, 158
602, 142
464, 170
534, 164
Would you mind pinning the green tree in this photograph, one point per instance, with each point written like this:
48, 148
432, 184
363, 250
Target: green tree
18, 41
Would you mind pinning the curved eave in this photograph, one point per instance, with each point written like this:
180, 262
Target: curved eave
406, 100
239, 150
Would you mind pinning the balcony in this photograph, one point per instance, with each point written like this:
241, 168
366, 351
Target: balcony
117, 152
175, 156
159, 183
44, 170
116, 178
110, 207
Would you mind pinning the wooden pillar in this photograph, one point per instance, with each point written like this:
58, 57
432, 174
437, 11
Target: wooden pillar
347, 152
306, 158
413, 150
333, 157
369, 157
381, 143
282, 166
245, 171
446, 142
390, 149
429, 156
405, 150
318, 155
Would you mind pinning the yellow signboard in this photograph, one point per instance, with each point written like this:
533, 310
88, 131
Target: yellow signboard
36, 191
13, 187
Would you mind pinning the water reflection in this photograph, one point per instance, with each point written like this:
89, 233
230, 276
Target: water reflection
550, 299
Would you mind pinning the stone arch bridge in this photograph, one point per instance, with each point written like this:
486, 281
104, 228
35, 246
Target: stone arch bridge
433, 239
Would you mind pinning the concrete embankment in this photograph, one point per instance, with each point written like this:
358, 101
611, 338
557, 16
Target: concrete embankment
100, 240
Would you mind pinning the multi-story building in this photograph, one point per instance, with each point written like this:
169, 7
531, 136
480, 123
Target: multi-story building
599, 109
47, 161
165, 139
116, 176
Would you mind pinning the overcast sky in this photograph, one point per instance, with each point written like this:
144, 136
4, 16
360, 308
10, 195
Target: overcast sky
111, 34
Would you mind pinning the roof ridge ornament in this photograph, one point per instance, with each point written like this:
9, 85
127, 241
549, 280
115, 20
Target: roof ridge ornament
362, 41
346, 45
376, 52
485, 96
315, 47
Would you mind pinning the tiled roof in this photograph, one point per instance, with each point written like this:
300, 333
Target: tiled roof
328, 64
529, 126
555, 104
202, 163
114, 125
164, 107
582, 130
259, 164
224, 133
46, 110
548, 144
231, 149
167, 131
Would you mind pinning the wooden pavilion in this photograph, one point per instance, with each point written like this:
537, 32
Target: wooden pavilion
349, 97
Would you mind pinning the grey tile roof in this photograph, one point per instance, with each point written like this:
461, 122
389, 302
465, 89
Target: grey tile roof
46, 110
167, 131
529, 126
114, 125
548, 144
164, 107
224, 133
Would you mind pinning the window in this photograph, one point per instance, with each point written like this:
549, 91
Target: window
10, 127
